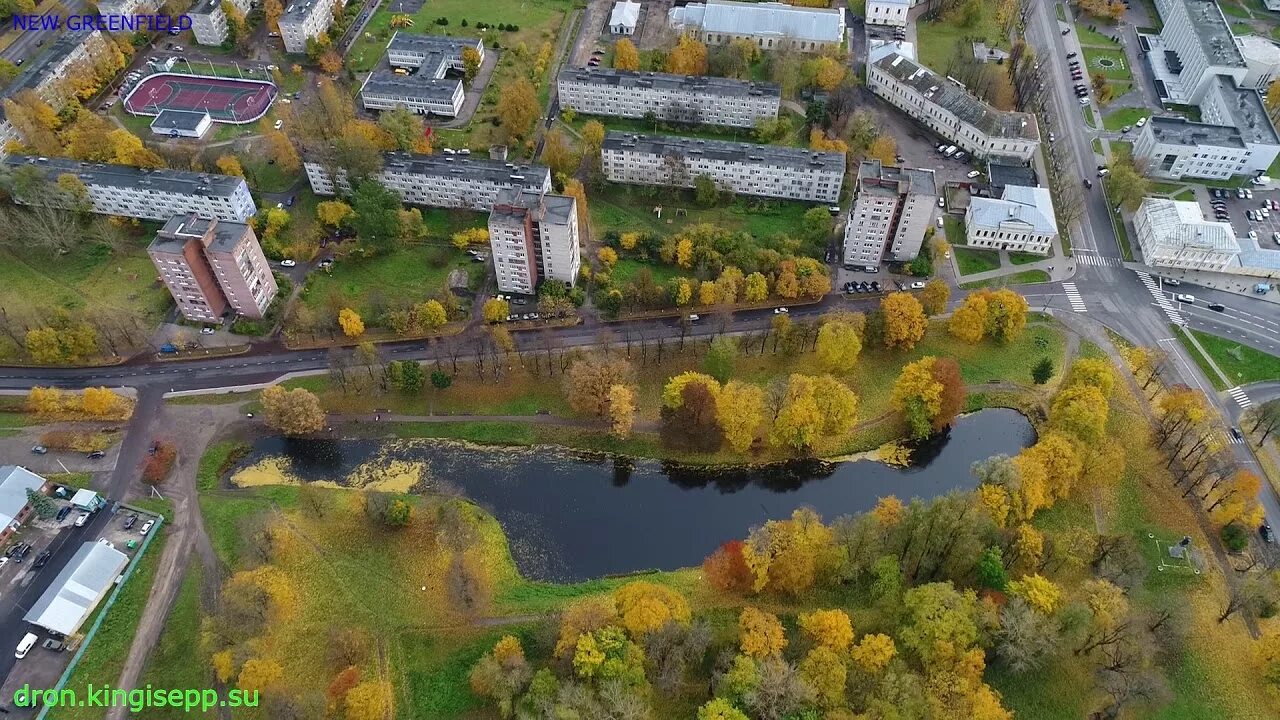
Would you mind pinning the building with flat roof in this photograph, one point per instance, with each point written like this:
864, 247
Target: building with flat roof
304, 20
1174, 233
947, 108
894, 13
441, 180
770, 25
1262, 60
45, 74
419, 93
181, 123
1021, 220
134, 192
210, 266
533, 237
743, 168
84, 581
411, 50
1235, 136
1001, 174
675, 98
1194, 46
624, 17
892, 208
15, 481
209, 22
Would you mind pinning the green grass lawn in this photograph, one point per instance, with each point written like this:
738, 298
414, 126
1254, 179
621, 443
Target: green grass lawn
1021, 258
1097, 145
1234, 10
936, 41
1188, 195
972, 261
1241, 363
1091, 38
953, 228
623, 208
1120, 117
267, 177
628, 267
1019, 278
403, 274
1111, 62
1088, 115
1121, 148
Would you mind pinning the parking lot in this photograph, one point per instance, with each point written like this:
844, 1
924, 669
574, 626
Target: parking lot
1238, 210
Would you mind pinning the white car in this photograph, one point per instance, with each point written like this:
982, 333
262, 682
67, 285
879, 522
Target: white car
973, 174
272, 68
1103, 172
288, 263
1084, 100
693, 317
207, 331
81, 519
278, 124
941, 203
1141, 121
1051, 137
780, 311
1248, 194
146, 527
24, 647
917, 285
1253, 234
1185, 298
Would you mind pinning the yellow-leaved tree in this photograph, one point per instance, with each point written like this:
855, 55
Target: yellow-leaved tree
351, 323
760, 633
740, 412
644, 607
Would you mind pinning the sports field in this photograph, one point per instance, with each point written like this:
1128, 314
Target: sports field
226, 100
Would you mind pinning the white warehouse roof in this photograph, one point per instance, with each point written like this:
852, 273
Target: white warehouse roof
72, 596
762, 19
14, 483
625, 13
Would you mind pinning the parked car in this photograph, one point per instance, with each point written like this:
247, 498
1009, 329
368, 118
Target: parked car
81, 519
63, 512
39, 449
51, 644
1141, 121
129, 521
693, 317
1265, 531
973, 174
288, 263
208, 330
780, 311
917, 285
1172, 281
96, 455
146, 527
1084, 100
42, 558
24, 647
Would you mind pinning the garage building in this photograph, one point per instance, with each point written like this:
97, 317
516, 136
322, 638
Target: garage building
73, 595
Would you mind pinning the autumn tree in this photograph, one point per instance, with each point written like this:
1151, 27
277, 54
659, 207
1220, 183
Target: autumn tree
760, 633
332, 212
789, 556
644, 607
740, 412
470, 63
1093, 372
838, 346
884, 148
558, 154
721, 357
904, 320
272, 10
726, 569
935, 296
929, 393
495, 310
625, 56
969, 321
799, 421
591, 379
826, 72
1080, 410
292, 412
229, 165
517, 107
688, 57
830, 628
622, 410
406, 128
1006, 315
1042, 594
350, 322
500, 674
873, 653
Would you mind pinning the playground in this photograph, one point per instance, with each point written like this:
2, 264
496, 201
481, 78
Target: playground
226, 100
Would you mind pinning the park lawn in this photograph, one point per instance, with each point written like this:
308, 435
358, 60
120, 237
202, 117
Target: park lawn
1091, 38
1241, 363
90, 275
1230, 8
267, 177
1022, 258
1200, 360
936, 41
1097, 145
1088, 115
972, 261
627, 268
954, 230
1024, 277
1111, 62
1120, 117
624, 208
1187, 195
403, 274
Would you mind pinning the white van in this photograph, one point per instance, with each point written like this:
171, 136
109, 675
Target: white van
28, 642
951, 150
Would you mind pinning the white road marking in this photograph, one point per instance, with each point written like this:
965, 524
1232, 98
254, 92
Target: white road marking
1073, 297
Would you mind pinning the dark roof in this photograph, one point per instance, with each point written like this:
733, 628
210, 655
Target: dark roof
689, 83
178, 120
725, 150
420, 85
478, 168
175, 181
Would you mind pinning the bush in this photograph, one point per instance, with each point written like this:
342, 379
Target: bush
76, 440
1235, 537
438, 256
158, 464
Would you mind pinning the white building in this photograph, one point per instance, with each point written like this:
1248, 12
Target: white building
15, 481
1022, 220
442, 180
433, 53
675, 98
209, 22
770, 25
891, 211
132, 192
1194, 46
1173, 233
126, 7
1262, 58
623, 19
944, 106
304, 20
1234, 137
84, 581
181, 123
888, 12
533, 236
743, 168
419, 93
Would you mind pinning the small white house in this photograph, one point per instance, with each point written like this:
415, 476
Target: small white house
181, 123
623, 19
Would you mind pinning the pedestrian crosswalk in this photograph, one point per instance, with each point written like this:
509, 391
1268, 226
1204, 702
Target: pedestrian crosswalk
1073, 297
1099, 261
1240, 397
1231, 438
1161, 299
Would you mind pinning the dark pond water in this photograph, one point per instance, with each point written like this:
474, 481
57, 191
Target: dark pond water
572, 516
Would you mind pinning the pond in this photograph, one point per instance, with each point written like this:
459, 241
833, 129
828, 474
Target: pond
573, 516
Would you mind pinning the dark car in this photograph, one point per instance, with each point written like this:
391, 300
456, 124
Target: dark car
51, 644
129, 521
875, 286
63, 513
96, 455
42, 558
1217, 307
1265, 531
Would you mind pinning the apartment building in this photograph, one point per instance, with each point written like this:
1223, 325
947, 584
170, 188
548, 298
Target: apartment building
209, 22
44, 75
419, 93
304, 20
743, 168
430, 52
1174, 233
1194, 46
888, 12
891, 210
946, 107
15, 481
1021, 219
533, 236
1234, 136
127, 7
211, 266
675, 98
770, 25
442, 180
1261, 59
132, 192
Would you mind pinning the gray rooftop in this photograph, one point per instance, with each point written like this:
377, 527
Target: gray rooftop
1211, 29
514, 203
14, 483
37, 71
482, 169
665, 81
1030, 206
298, 11
178, 120
180, 229
414, 42
763, 19
726, 151
958, 100
1180, 131
902, 181
1248, 114
172, 181
1002, 174
83, 582
419, 85
205, 7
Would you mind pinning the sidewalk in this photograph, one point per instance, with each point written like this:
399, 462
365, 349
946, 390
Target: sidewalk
1058, 268
1236, 284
